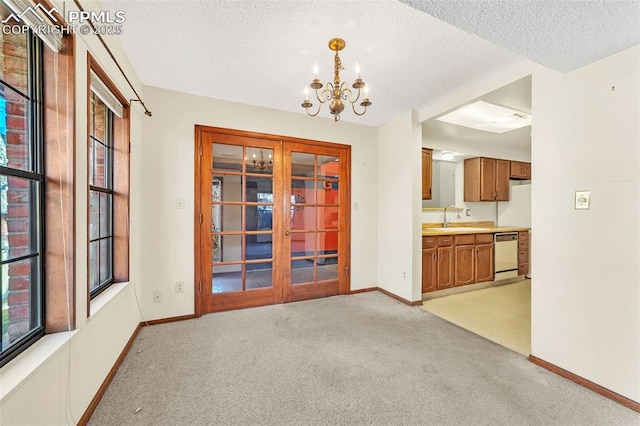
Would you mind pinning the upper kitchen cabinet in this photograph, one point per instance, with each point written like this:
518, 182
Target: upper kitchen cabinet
520, 170
486, 179
427, 157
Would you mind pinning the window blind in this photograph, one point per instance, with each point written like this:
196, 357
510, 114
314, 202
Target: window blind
105, 95
34, 15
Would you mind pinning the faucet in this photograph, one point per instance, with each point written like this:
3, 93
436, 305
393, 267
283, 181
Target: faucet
446, 222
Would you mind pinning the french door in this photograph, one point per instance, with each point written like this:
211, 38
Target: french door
272, 219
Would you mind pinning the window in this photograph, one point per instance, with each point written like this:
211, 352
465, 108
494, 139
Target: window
108, 176
100, 195
21, 192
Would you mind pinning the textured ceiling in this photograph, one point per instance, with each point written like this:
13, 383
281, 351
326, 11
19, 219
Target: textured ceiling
262, 52
563, 35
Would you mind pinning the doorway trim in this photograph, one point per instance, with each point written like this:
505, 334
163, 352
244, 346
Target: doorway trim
198, 184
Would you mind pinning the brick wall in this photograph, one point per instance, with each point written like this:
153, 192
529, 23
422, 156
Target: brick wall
16, 221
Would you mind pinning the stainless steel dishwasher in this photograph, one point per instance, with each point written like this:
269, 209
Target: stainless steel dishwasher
506, 255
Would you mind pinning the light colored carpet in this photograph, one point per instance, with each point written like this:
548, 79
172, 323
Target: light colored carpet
501, 314
344, 360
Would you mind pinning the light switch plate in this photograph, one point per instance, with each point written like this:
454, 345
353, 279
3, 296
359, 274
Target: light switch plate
582, 200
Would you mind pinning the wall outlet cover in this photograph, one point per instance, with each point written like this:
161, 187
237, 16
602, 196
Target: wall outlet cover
583, 199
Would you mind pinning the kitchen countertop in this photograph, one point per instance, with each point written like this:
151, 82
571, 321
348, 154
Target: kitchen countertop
435, 229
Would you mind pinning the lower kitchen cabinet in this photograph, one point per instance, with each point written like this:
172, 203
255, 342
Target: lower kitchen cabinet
465, 264
437, 263
484, 262
523, 252
458, 260
429, 270
445, 267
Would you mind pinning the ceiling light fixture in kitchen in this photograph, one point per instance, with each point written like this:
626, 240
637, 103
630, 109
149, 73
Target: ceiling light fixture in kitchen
487, 117
337, 92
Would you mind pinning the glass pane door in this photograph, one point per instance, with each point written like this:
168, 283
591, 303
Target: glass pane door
314, 196
272, 221
238, 224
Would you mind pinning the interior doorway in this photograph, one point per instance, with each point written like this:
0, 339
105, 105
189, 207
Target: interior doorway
272, 219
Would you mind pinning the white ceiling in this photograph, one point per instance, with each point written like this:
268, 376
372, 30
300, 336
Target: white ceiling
262, 52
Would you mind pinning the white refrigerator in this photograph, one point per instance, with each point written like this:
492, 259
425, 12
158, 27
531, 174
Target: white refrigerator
517, 211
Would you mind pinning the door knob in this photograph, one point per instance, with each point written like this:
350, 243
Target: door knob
287, 233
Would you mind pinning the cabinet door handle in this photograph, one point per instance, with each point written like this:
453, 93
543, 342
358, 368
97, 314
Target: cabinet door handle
434, 257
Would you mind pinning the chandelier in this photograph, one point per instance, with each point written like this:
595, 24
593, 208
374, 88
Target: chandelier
259, 163
337, 92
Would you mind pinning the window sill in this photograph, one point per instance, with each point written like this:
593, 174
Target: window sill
103, 299
15, 373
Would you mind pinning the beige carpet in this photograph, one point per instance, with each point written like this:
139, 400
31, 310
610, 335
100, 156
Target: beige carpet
362, 359
501, 314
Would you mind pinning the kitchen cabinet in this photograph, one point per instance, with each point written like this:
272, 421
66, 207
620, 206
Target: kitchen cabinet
465, 246
474, 259
437, 263
427, 173
429, 270
484, 259
519, 170
523, 252
486, 179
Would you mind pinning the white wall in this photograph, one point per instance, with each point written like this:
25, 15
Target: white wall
399, 206
168, 174
586, 293
61, 374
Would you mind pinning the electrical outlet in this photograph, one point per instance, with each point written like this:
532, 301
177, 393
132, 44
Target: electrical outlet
157, 297
179, 287
468, 212
404, 275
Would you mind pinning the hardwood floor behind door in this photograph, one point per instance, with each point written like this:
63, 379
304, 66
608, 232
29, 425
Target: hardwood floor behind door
272, 219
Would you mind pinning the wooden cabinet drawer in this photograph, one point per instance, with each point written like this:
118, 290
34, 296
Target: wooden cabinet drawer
523, 244
523, 235
429, 242
445, 241
523, 255
465, 239
484, 238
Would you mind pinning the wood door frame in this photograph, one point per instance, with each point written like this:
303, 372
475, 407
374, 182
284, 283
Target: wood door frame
198, 186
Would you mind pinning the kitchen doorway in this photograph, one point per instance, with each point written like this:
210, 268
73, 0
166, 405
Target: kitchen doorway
272, 219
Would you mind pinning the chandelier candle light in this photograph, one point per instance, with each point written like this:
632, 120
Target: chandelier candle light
259, 164
336, 93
